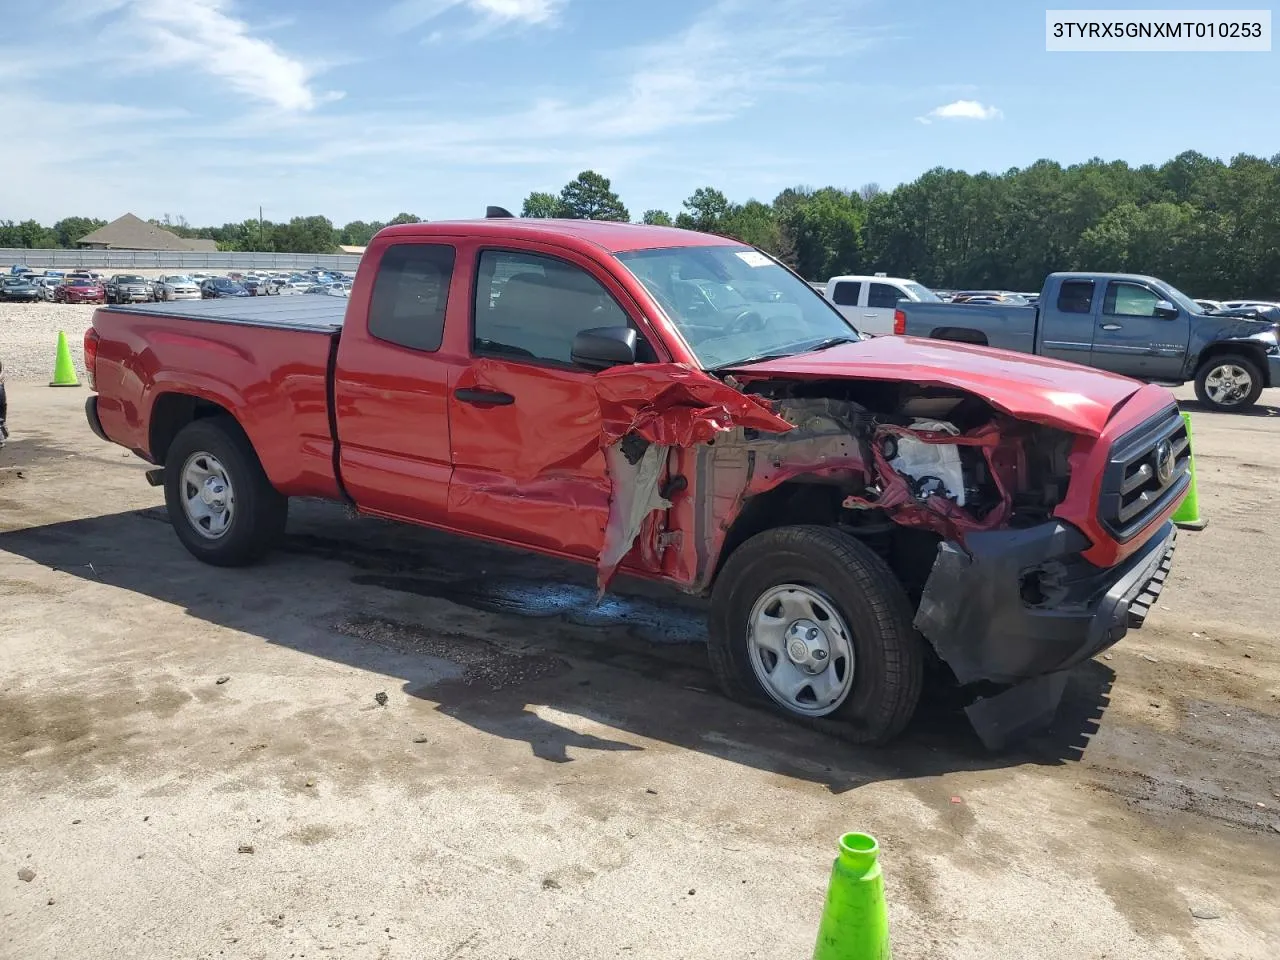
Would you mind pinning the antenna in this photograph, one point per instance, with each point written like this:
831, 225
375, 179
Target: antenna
498, 213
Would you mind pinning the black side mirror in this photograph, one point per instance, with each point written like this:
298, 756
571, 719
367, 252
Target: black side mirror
1166, 310
604, 347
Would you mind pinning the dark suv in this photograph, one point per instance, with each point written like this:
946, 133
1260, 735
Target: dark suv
216, 287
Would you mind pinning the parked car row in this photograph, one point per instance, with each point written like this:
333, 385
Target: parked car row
22, 284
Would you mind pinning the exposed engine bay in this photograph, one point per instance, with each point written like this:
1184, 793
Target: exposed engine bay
922, 458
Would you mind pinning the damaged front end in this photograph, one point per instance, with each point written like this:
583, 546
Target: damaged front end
956, 496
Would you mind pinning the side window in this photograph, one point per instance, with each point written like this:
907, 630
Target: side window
410, 293
883, 295
1129, 300
846, 293
533, 306
1076, 296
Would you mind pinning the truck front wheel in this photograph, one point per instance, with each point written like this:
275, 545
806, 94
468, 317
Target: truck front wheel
1229, 382
220, 502
812, 623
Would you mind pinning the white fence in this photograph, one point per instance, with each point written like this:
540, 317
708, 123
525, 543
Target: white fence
174, 260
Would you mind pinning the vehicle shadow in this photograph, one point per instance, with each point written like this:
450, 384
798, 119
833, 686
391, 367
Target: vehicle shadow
533, 658
1257, 410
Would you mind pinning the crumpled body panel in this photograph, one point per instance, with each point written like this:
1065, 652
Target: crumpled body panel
675, 406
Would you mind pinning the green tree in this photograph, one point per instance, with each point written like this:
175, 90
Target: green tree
656, 218
705, 210
542, 206
70, 229
590, 196
358, 233
404, 218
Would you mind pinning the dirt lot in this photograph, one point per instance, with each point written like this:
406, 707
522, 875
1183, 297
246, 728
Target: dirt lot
194, 762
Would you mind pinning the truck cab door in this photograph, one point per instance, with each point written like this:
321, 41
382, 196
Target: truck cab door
846, 294
524, 421
1067, 321
876, 316
390, 387
1139, 333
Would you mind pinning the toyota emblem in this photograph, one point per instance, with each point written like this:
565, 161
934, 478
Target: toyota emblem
1164, 462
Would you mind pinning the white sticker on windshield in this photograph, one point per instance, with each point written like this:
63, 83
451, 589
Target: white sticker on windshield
754, 258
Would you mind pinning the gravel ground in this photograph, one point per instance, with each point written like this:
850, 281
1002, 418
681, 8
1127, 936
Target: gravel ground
389, 743
29, 338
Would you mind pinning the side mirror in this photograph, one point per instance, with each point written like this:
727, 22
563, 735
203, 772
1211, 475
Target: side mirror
604, 347
1166, 310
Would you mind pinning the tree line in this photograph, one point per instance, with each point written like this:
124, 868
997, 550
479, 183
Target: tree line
314, 234
1209, 227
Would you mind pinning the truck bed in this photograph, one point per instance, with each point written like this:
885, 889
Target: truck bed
304, 312
1005, 325
263, 359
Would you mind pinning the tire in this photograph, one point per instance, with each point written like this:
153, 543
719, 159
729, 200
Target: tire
887, 668
258, 513
1237, 367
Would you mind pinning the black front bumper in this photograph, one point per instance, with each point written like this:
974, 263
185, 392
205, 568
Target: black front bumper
1013, 605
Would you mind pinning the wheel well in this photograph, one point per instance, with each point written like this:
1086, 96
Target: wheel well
909, 552
173, 411
960, 335
1255, 354
793, 502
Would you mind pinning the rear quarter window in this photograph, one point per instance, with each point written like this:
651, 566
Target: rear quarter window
845, 293
1076, 296
410, 293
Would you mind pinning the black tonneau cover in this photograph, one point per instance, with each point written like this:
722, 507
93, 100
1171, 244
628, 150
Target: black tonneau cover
310, 312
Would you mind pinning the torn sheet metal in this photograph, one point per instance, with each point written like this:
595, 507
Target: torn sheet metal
675, 406
645, 411
636, 484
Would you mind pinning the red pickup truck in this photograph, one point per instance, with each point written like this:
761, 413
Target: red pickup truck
683, 408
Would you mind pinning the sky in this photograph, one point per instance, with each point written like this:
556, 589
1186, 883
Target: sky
360, 109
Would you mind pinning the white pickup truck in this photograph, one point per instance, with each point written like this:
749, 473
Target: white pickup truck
868, 302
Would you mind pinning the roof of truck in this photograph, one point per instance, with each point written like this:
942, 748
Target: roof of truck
612, 236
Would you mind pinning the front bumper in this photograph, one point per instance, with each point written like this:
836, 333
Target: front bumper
1018, 604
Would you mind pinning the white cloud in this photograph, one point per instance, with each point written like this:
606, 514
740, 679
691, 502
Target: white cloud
203, 35
372, 158
961, 110
408, 14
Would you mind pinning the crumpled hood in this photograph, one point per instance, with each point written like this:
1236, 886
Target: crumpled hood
1037, 389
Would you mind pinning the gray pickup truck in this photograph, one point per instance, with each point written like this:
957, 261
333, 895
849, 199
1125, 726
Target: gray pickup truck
1133, 325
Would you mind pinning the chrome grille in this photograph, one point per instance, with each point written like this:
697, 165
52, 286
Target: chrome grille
1149, 468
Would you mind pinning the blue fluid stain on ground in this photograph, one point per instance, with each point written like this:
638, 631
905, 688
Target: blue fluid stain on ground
650, 619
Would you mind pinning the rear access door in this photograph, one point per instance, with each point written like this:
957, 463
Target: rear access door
391, 382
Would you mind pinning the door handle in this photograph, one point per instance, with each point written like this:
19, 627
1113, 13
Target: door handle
870, 316
484, 398
1110, 326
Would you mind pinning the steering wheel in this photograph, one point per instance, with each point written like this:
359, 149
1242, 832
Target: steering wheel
746, 321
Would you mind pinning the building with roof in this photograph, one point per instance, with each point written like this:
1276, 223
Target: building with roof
131, 233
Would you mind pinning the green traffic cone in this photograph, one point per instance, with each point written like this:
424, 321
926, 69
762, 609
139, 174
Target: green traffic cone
855, 923
1188, 513
64, 371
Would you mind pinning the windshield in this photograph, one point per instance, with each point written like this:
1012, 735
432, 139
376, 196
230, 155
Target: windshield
732, 304
178, 280
132, 280
923, 294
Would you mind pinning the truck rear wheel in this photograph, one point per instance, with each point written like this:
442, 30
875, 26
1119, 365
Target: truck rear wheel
1229, 382
220, 502
812, 623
